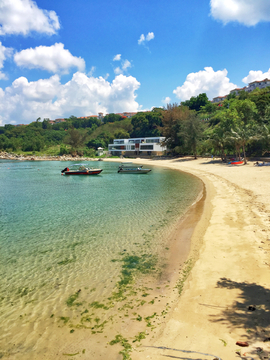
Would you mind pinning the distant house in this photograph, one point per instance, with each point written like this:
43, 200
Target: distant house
100, 151
261, 84
127, 114
57, 121
137, 146
218, 99
237, 90
258, 84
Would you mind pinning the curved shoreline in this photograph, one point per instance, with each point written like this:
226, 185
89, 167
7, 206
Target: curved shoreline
231, 246
231, 243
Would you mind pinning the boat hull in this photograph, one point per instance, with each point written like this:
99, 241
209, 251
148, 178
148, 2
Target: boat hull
88, 172
144, 171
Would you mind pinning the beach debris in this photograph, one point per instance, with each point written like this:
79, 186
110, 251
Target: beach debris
259, 349
242, 343
266, 339
251, 307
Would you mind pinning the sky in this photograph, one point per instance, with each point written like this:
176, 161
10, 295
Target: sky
62, 58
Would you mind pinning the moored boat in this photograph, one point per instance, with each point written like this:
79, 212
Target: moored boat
80, 169
128, 168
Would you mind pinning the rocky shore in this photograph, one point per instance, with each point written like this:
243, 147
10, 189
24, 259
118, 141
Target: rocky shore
12, 156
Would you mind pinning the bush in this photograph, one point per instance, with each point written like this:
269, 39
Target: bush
63, 150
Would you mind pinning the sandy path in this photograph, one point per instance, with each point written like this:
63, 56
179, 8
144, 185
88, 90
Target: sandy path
232, 271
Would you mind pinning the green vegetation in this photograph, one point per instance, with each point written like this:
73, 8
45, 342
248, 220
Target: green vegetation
64, 319
132, 265
124, 342
184, 275
238, 126
71, 300
66, 261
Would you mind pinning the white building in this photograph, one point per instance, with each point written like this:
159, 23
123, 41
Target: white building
258, 84
138, 146
261, 84
219, 99
237, 90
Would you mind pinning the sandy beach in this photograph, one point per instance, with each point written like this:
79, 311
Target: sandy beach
226, 297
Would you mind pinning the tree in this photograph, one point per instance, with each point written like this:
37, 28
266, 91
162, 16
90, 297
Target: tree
261, 99
173, 122
217, 139
195, 103
193, 132
75, 139
146, 124
241, 136
111, 118
121, 134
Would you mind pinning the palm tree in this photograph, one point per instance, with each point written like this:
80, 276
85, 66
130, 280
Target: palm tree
241, 136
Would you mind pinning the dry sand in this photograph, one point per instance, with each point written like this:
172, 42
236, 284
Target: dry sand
230, 251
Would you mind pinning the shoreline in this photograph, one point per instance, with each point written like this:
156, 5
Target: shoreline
231, 243
230, 270
158, 287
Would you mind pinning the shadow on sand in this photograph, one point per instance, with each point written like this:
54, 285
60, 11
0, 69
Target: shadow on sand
250, 313
171, 353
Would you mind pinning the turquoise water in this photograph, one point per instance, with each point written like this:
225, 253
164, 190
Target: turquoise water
59, 234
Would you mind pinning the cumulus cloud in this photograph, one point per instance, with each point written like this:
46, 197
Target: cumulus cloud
167, 100
23, 17
117, 57
256, 75
213, 83
4, 53
51, 58
247, 12
144, 38
125, 64
25, 101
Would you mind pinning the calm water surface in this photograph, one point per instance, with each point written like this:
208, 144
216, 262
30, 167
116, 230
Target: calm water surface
59, 234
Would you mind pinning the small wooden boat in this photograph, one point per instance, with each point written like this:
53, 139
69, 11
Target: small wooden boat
80, 169
126, 168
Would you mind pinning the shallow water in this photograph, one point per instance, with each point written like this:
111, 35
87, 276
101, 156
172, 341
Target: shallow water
59, 235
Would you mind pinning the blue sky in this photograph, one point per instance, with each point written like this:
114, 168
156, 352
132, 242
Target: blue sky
62, 58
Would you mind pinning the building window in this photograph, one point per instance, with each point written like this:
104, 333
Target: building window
146, 147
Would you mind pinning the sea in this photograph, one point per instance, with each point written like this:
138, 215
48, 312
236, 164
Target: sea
82, 257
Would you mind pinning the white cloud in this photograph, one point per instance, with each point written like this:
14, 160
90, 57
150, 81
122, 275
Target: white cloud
144, 38
141, 39
91, 72
150, 36
23, 16
4, 53
125, 64
247, 12
51, 58
118, 71
167, 100
117, 57
256, 75
213, 83
25, 101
